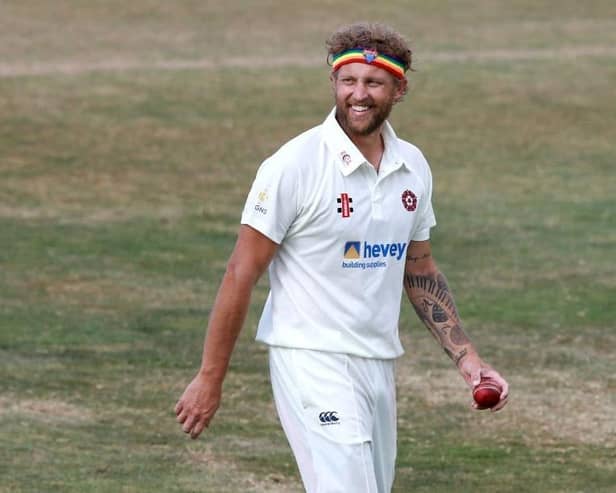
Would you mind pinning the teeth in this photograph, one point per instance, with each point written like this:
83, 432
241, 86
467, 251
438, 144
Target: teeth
359, 108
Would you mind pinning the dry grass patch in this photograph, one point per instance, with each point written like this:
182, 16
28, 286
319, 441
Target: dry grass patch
230, 474
46, 411
110, 196
117, 290
114, 291
557, 406
153, 30
61, 195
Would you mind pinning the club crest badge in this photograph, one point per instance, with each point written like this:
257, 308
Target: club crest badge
370, 55
409, 200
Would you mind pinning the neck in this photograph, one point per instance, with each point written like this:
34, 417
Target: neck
371, 146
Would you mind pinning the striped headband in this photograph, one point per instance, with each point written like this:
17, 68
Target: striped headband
369, 57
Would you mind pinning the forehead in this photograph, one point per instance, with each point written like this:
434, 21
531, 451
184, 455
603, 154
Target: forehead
364, 71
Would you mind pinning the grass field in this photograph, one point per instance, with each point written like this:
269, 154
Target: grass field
129, 135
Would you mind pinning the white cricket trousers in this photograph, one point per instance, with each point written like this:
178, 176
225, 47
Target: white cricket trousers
339, 415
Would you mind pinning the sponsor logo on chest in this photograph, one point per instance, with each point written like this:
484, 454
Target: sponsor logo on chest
365, 255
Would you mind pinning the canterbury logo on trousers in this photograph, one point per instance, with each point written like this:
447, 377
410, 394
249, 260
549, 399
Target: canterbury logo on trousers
329, 418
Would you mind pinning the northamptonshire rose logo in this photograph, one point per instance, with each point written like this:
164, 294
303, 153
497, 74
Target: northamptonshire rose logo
409, 200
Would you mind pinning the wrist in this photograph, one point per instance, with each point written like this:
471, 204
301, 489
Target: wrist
466, 356
212, 375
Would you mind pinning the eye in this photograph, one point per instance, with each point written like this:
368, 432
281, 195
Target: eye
347, 81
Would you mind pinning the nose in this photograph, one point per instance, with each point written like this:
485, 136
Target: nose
359, 91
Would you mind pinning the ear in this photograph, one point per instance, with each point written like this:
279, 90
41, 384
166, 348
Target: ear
401, 89
332, 78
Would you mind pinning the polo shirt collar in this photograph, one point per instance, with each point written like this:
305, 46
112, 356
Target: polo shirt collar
349, 157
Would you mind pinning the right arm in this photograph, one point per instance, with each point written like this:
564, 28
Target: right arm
252, 254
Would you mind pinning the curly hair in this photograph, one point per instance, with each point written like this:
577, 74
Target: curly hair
370, 35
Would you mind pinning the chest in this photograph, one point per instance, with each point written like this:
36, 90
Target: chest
361, 206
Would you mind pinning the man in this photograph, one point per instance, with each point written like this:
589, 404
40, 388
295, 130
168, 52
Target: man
341, 215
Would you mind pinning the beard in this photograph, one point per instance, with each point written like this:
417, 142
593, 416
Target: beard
366, 126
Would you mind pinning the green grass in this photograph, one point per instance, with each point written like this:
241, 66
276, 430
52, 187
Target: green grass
120, 195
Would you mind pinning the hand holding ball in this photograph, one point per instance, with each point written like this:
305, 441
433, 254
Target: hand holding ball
486, 394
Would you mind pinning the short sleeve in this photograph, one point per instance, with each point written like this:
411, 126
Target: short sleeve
427, 219
271, 205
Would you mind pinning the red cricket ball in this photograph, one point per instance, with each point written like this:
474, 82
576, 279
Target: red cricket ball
486, 394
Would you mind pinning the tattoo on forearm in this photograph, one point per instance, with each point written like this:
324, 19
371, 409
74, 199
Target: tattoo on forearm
458, 336
456, 357
416, 259
434, 304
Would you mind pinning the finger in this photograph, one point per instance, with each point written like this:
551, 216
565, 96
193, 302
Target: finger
502, 383
178, 407
500, 405
476, 377
188, 424
505, 389
199, 427
182, 416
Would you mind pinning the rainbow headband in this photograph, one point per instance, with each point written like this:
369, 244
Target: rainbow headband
369, 57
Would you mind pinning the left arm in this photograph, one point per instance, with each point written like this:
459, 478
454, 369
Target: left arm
428, 292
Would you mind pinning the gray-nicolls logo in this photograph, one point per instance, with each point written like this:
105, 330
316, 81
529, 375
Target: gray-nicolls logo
329, 418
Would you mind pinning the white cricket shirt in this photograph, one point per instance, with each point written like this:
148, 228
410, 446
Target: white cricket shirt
343, 230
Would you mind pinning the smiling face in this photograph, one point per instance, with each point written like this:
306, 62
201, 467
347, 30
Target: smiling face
365, 95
